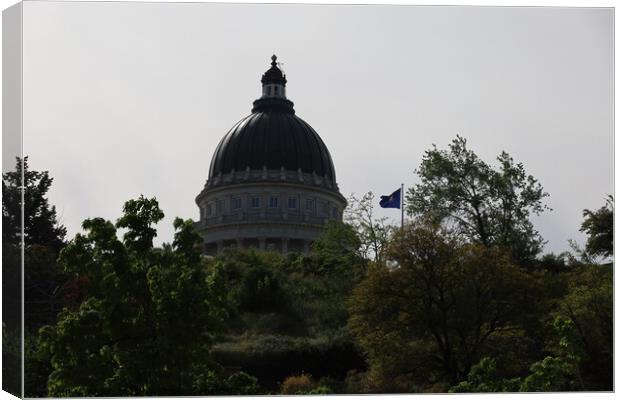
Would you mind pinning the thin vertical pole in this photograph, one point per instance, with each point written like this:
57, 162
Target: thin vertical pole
402, 205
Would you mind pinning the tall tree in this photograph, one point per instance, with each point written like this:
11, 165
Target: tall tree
482, 204
43, 239
599, 226
40, 224
146, 320
372, 231
445, 305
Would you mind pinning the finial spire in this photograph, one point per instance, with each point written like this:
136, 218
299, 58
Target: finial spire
274, 84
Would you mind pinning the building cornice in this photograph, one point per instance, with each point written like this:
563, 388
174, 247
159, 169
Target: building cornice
273, 178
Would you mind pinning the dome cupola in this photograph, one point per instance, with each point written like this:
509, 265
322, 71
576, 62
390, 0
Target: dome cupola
274, 91
274, 75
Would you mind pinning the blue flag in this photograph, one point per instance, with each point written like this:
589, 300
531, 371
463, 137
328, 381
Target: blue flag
391, 201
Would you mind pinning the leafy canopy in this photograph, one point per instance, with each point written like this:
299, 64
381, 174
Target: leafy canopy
485, 205
599, 226
40, 224
373, 232
141, 309
434, 315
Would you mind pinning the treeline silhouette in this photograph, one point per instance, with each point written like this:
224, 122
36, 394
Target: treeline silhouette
460, 299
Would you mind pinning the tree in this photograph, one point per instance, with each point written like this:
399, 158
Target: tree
146, 320
482, 204
579, 354
586, 329
599, 226
484, 377
338, 244
373, 232
43, 239
40, 224
288, 314
445, 305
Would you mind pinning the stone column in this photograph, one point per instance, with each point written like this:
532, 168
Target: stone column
284, 245
220, 246
261, 243
239, 244
306, 246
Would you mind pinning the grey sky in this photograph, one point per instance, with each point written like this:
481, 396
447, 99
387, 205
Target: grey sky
128, 98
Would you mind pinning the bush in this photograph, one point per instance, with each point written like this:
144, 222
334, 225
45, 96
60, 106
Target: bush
299, 384
241, 383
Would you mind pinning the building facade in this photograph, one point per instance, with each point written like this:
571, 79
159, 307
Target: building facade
272, 183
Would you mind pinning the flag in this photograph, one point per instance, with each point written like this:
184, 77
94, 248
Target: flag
391, 201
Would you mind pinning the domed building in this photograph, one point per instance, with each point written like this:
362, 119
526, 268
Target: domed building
272, 183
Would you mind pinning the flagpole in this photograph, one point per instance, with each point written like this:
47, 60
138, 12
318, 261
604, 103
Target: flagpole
402, 205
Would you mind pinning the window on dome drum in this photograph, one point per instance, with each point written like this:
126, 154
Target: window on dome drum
292, 202
273, 202
236, 203
209, 210
218, 206
309, 204
255, 202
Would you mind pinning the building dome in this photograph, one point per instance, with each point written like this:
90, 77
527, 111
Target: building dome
271, 182
272, 137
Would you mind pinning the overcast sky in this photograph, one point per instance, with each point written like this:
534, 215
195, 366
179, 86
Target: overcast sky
123, 99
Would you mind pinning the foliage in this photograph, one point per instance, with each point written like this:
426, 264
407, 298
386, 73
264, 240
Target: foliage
579, 355
297, 384
599, 226
338, 244
241, 384
11, 287
557, 372
289, 314
320, 282
303, 384
374, 233
37, 366
40, 224
484, 377
586, 332
11, 361
484, 205
44, 286
43, 238
144, 309
253, 281
432, 317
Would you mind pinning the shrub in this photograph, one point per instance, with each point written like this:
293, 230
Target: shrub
297, 384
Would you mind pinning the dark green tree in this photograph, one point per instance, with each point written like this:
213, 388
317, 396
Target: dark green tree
484, 377
482, 204
40, 224
146, 321
444, 306
43, 239
288, 314
585, 327
599, 226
